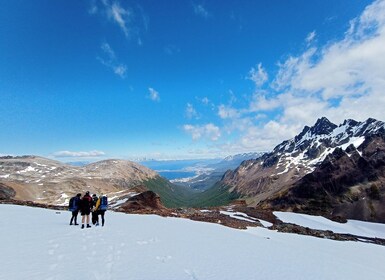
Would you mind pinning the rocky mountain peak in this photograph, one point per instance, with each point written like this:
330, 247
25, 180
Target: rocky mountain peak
350, 122
322, 126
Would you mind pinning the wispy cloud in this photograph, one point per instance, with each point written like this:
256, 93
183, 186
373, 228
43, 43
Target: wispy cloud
258, 76
190, 112
201, 10
171, 49
207, 131
109, 59
120, 15
205, 100
153, 95
132, 21
227, 112
310, 37
90, 154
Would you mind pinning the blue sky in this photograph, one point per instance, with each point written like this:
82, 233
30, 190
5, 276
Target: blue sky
175, 79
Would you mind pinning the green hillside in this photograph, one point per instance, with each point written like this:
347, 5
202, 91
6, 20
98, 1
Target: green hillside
173, 196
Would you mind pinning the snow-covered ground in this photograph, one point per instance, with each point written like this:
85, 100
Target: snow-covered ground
358, 228
39, 244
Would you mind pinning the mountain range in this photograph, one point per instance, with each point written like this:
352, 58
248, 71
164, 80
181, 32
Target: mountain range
337, 171
52, 182
211, 173
328, 169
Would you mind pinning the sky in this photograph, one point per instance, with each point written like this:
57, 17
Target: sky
173, 79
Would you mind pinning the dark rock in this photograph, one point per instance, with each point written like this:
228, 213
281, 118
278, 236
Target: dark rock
143, 201
6, 192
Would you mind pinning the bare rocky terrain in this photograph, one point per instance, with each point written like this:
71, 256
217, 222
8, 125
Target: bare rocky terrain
47, 181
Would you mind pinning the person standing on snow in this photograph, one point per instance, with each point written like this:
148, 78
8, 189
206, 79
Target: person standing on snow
85, 209
74, 206
95, 217
101, 208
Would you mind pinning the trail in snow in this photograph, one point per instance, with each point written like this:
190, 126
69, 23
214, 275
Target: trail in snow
39, 244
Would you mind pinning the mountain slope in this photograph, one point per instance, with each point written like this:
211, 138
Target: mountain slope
347, 159
46, 181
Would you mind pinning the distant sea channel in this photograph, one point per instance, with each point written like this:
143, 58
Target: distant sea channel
171, 175
174, 169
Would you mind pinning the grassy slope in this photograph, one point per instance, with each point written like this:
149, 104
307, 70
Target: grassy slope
173, 196
217, 195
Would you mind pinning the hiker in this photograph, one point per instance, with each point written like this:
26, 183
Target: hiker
95, 214
85, 209
101, 208
74, 205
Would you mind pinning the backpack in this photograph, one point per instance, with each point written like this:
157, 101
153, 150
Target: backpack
73, 205
103, 203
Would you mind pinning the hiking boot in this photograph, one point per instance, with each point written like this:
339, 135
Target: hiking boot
82, 226
88, 226
96, 224
76, 224
70, 224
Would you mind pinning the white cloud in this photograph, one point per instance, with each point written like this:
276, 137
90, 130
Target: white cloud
108, 51
341, 79
153, 95
227, 112
89, 154
258, 76
120, 70
207, 131
310, 37
110, 60
121, 16
200, 10
132, 21
191, 112
205, 101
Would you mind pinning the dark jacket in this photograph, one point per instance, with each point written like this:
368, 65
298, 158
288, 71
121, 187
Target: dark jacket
74, 204
77, 202
86, 203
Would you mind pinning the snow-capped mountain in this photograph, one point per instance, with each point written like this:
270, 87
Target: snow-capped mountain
242, 157
313, 144
353, 148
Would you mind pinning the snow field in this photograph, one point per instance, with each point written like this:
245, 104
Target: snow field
39, 244
353, 227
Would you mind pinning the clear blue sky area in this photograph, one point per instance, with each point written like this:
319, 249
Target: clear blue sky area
159, 79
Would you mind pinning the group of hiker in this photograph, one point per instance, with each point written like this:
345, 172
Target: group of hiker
87, 205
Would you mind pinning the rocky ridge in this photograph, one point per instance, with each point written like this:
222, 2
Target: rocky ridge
322, 170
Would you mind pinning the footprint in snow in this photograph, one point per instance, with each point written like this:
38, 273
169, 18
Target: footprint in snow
163, 259
191, 274
146, 242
